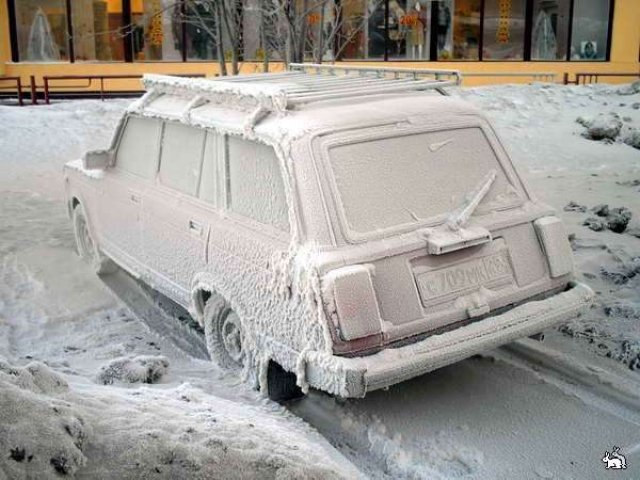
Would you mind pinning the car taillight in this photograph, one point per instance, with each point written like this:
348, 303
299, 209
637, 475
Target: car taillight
554, 241
351, 300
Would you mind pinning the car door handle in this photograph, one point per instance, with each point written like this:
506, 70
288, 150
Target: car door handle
195, 227
135, 197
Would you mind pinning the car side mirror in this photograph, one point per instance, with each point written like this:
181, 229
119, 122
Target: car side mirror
97, 160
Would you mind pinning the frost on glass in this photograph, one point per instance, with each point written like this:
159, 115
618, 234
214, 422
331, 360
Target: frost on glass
256, 188
181, 157
209, 175
405, 180
139, 144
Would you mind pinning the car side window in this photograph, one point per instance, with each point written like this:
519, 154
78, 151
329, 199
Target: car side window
181, 157
138, 148
255, 188
209, 177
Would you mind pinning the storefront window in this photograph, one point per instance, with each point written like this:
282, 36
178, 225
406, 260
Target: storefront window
251, 31
458, 29
201, 30
42, 30
320, 24
504, 22
97, 30
157, 30
590, 30
409, 28
550, 29
363, 29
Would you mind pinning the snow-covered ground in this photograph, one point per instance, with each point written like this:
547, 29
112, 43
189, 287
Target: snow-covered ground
74, 358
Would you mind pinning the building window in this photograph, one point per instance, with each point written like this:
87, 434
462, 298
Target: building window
363, 29
550, 30
157, 30
200, 30
41, 27
97, 30
466, 30
589, 33
504, 25
409, 28
419, 30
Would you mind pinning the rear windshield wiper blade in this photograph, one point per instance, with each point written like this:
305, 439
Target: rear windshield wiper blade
460, 217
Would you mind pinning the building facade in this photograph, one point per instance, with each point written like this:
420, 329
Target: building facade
487, 37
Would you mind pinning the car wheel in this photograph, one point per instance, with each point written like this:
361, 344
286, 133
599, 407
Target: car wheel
86, 245
224, 334
282, 385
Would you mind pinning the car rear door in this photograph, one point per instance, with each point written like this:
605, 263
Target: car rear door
179, 210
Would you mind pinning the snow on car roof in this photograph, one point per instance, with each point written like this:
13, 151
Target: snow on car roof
294, 102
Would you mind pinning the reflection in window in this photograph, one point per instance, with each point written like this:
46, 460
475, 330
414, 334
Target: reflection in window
42, 30
409, 22
200, 26
550, 29
458, 29
504, 22
590, 30
363, 28
97, 30
156, 34
320, 23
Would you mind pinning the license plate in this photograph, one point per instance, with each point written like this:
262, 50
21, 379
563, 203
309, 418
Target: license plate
490, 270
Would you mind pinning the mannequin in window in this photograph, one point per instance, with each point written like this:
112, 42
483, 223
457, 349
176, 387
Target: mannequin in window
544, 45
397, 26
443, 24
416, 24
589, 50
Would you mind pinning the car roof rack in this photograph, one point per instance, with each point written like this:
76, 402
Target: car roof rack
301, 84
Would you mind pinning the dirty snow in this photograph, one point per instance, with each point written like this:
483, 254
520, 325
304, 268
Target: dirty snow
88, 389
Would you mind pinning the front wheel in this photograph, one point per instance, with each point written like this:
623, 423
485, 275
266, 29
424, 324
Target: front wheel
86, 245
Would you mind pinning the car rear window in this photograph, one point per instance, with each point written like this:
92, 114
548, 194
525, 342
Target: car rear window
412, 179
256, 187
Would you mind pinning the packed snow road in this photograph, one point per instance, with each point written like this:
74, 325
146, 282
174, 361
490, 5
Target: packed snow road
119, 385
500, 415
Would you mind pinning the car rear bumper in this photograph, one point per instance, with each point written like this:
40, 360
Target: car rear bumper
354, 377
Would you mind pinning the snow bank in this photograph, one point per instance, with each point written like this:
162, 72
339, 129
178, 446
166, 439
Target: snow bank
142, 369
48, 429
41, 435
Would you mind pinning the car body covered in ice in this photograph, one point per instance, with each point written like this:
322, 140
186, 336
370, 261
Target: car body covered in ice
343, 237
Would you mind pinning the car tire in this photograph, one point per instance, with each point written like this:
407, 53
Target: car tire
86, 245
281, 384
224, 334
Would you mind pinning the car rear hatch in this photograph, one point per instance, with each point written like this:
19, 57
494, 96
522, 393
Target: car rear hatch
438, 230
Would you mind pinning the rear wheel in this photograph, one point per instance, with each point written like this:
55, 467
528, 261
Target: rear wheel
86, 245
225, 338
224, 334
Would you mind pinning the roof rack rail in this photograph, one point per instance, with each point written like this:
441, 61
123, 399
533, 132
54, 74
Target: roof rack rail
302, 84
415, 73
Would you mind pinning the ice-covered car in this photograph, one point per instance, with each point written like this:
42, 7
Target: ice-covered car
339, 230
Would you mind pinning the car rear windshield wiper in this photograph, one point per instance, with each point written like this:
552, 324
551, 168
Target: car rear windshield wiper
460, 217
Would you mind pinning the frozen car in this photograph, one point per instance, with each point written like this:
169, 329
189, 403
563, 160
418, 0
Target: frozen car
341, 232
